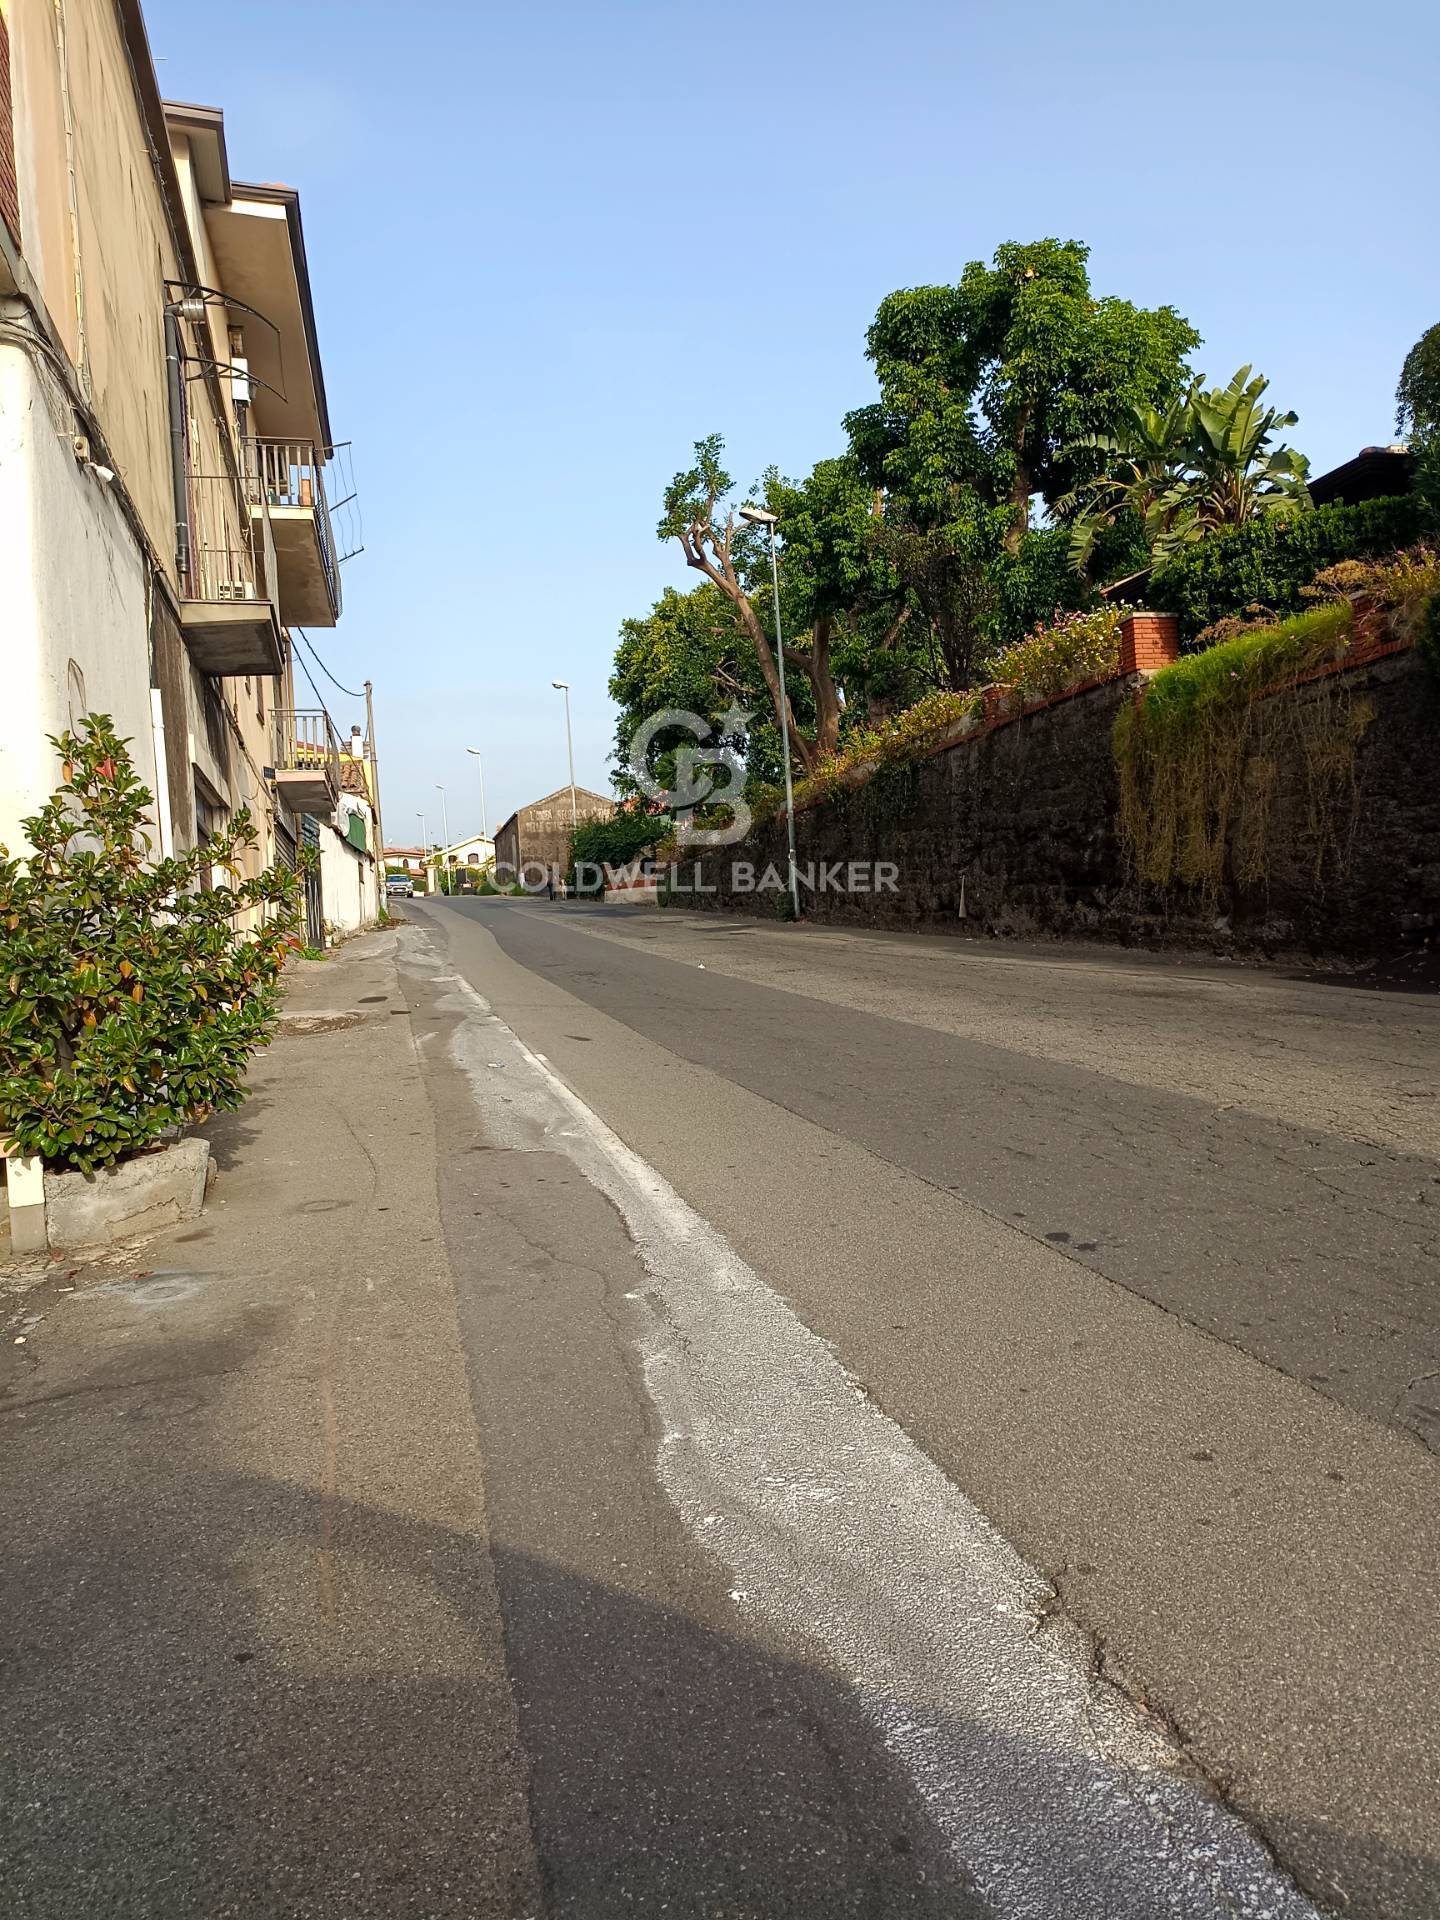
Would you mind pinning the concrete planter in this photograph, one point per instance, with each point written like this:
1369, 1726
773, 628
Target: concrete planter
137, 1196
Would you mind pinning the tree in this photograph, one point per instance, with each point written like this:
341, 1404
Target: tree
986, 390
690, 653
1417, 397
735, 561
1417, 412
839, 586
1204, 461
134, 999
845, 615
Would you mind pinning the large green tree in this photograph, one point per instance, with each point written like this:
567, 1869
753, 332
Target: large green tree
690, 652
987, 390
1417, 397
1417, 412
840, 595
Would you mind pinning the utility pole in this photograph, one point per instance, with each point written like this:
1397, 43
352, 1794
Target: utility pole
563, 686
375, 784
445, 851
474, 752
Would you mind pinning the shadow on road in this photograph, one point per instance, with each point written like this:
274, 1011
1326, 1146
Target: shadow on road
204, 1715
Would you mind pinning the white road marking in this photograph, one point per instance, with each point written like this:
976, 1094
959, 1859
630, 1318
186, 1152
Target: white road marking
1054, 1793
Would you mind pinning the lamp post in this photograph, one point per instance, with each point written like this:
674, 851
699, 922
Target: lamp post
484, 811
445, 829
758, 517
424, 850
563, 686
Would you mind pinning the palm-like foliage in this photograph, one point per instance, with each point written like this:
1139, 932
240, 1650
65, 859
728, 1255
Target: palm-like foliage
1205, 461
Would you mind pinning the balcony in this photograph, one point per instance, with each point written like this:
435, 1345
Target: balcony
229, 623
305, 760
285, 484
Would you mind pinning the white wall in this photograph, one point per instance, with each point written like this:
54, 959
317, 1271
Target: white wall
350, 882
72, 589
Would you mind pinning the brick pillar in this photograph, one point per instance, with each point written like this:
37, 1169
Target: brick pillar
1148, 641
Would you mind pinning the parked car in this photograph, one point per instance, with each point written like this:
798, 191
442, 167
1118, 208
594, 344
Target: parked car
400, 883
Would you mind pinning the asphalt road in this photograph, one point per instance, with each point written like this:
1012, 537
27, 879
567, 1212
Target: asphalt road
1139, 1258
671, 1416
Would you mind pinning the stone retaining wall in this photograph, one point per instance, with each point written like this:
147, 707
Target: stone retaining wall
1013, 832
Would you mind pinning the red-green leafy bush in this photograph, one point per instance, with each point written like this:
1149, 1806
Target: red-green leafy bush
132, 998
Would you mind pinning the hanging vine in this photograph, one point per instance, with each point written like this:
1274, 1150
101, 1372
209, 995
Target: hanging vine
1199, 754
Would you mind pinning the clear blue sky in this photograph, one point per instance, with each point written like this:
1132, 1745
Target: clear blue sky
553, 243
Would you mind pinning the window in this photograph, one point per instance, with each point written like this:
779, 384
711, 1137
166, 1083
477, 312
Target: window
211, 816
217, 728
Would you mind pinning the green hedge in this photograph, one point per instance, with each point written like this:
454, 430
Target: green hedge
1270, 560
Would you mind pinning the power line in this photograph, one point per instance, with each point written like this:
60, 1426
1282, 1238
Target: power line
313, 688
349, 692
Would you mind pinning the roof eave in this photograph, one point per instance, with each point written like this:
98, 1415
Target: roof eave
289, 199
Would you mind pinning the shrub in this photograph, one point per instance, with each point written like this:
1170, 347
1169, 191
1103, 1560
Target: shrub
1269, 562
1063, 653
1400, 587
616, 842
911, 735
133, 1002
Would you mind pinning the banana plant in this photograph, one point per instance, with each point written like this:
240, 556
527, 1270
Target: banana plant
1143, 457
1206, 461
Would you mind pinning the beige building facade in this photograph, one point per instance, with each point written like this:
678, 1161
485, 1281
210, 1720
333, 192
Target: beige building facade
164, 435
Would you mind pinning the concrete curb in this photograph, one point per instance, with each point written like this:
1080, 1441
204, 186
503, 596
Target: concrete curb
153, 1190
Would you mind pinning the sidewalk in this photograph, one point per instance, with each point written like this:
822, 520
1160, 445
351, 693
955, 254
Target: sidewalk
252, 1646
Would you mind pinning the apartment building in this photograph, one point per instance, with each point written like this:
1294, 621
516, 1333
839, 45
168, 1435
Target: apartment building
164, 434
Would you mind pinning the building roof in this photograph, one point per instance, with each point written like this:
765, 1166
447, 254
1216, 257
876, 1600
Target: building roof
562, 793
1376, 473
205, 127
258, 241
466, 840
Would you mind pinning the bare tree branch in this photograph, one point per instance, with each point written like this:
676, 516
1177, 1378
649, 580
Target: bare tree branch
893, 631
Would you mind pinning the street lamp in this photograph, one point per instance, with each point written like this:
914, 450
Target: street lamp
758, 517
445, 829
563, 686
484, 811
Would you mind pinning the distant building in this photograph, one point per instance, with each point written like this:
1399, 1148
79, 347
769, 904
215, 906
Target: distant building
409, 860
1376, 473
535, 840
470, 858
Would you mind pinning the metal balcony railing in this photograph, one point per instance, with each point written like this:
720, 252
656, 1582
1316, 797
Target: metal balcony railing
302, 740
223, 542
289, 473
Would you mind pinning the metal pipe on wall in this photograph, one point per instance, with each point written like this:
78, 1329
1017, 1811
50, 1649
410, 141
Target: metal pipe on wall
179, 481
